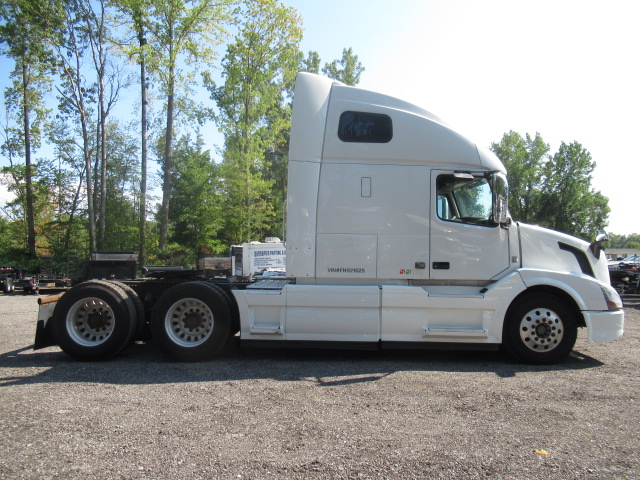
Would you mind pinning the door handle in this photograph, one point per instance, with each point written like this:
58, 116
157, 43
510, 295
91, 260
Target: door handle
441, 265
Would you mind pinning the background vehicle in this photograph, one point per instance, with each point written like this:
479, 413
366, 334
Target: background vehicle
398, 236
625, 281
29, 284
7, 275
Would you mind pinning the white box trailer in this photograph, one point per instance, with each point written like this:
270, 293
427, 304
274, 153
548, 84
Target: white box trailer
398, 235
259, 258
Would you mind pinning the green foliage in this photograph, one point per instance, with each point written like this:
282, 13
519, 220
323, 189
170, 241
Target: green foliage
211, 205
311, 64
195, 213
569, 203
12, 240
624, 241
552, 191
123, 175
24, 35
259, 71
523, 158
88, 192
346, 70
185, 31
43, 200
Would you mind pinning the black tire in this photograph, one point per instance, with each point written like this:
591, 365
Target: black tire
540, 329
234, 324
140, 315
191, 321
94, 320
139, 318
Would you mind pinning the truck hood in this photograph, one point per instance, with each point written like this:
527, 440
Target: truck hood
544, 248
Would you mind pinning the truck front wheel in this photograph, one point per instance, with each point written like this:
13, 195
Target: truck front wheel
191, 321
94, 320
540, 329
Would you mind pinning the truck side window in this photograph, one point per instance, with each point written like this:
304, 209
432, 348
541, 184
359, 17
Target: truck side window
464, 198
365, 127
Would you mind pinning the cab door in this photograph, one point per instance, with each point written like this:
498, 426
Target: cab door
466, 242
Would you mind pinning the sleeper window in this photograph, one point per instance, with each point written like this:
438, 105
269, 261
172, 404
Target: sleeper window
365, 127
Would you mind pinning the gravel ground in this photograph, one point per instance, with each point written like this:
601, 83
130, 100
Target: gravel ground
316, 415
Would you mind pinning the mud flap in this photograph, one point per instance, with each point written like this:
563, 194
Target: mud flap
44, 336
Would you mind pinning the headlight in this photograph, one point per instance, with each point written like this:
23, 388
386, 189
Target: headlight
614, 302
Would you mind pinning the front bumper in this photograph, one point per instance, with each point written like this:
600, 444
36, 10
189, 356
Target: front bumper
604, 326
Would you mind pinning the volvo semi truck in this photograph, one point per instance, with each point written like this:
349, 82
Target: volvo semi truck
398, 235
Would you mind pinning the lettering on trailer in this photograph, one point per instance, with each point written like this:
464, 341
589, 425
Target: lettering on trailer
264, 253
267, 258
345, 270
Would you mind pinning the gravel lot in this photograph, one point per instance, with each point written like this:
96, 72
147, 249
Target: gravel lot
316, 414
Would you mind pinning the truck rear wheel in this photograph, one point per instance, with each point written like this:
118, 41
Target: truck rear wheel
94, 320
540, 329
140, 315
191, 321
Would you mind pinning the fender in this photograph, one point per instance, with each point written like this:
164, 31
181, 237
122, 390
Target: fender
501, 295
585, 291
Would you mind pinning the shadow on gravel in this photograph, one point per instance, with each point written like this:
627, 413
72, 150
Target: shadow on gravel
142, 364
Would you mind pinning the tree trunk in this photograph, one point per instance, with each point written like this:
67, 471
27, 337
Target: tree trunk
103, 166
88, 166
72, 214
31, 228
168, 163
143, 160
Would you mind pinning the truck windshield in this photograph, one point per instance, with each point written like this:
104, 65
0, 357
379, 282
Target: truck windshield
465, 199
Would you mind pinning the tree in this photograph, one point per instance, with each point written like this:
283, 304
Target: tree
624, 241
196, 201
552, 191
259, 71
347, 70
136, 13
311, 64
568, 202
75, 94
109, 80
69, 183
177, 32
24, 29
123, 188
523, 158
14, 179
59, 233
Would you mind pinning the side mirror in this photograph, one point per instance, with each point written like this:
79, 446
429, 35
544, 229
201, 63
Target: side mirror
596, 246
602, 236
500, 214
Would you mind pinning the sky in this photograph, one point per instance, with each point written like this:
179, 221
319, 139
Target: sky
568, 69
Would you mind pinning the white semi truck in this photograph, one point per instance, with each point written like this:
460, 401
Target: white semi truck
398, 236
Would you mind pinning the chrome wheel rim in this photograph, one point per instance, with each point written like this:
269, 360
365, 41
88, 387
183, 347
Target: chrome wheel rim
541, 330
90, 322
189, 322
